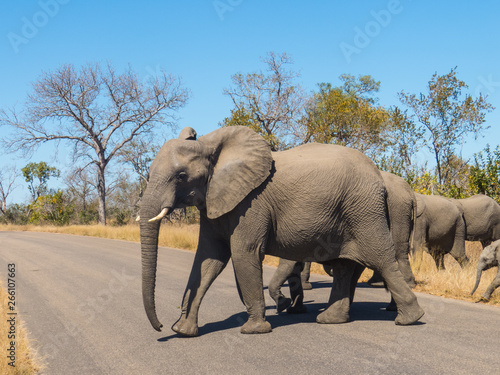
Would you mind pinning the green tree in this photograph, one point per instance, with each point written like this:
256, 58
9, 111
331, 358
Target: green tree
269, 102
37, 176
446, 116
347, 115
51, 209
484, 174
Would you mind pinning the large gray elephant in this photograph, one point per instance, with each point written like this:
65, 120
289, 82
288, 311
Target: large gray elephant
401, 203
440, 228
317, 201
482, 218
490, 257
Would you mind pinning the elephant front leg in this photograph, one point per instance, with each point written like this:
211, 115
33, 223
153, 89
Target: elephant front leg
209, 262
491, 288
248, 272
339, 303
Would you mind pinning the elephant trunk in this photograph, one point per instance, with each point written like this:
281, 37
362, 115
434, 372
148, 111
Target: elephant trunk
478, 279
149, 256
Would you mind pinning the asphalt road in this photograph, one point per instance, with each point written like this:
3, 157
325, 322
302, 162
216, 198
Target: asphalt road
81, 301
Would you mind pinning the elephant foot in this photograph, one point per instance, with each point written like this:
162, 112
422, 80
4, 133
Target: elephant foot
185, 328
410, 317
483, 299
283, 303
256, 326
306, 285
392, 306
335, 314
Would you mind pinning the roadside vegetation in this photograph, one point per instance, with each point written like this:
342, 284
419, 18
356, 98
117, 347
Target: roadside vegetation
27, 362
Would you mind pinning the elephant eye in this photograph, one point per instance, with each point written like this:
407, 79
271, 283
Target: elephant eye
182, 176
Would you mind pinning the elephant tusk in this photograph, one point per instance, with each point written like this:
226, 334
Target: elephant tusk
160, 215
138, 218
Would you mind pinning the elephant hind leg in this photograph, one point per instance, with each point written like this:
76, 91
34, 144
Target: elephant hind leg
408, 308
304, 276
338, 309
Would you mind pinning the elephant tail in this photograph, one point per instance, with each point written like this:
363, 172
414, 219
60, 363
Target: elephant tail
413, 224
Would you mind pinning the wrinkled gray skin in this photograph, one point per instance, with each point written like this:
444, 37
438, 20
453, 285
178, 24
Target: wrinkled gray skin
482, 218
440, 228
490, 257
316, 201
401, 203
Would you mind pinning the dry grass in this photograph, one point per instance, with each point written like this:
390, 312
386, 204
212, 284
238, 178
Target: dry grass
27, 361
453, 282
171, 235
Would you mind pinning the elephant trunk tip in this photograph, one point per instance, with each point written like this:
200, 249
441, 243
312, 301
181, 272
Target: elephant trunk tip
155, 322
478, 279
158, 326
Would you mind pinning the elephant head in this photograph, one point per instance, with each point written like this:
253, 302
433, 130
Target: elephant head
214, 173
487, 260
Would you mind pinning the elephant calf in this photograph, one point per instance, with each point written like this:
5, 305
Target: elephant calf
490, 257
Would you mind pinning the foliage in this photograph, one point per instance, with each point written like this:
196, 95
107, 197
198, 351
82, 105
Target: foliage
37, 175
424, 182
446, 116
484, 175
241, 116
271, 103
17, 214
51, 209
347, 115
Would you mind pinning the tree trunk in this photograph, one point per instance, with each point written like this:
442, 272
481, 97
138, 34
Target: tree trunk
101, 190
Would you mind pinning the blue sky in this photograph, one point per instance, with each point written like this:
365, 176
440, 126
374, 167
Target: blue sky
400, 43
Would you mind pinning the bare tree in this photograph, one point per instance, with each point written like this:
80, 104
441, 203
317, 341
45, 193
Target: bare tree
96, 109
8, 178
139, 155
81, 186
270, 103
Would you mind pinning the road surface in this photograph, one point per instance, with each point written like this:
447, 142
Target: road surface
80, 298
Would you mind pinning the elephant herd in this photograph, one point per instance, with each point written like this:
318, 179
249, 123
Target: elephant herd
323, 203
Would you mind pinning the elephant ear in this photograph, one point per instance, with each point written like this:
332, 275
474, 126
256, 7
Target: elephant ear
241, 161
188, 133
